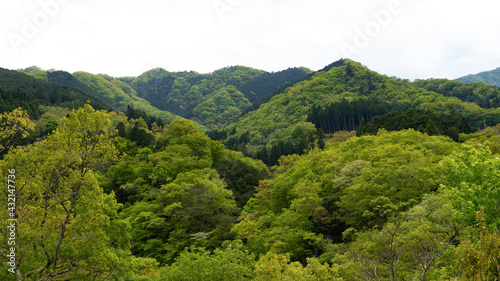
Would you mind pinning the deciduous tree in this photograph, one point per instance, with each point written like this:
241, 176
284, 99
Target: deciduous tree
60, 218
14, 125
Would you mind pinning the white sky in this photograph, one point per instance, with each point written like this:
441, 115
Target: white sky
404, 38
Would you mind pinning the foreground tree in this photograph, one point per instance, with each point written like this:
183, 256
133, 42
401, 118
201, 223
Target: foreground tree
472, 183
61, 222
410, 245
14, 125
479, 257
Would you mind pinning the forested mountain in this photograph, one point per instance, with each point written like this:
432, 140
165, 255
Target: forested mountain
65, 78
267, 83
115, 93
382, 207
44, 103
182, 92
19, 89
363, 176
215, 99
480, 93
119, 95
352, 92
492, 77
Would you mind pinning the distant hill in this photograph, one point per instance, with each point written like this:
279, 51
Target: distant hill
253, 110
492, 77
483, 94
267, 83
116, 94
215, 99
65, 78
338, 98
20, 89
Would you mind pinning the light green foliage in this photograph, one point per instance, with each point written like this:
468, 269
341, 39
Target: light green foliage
395, 167
175, 195
61, 229
107, 91
489, 136
479, 258
403, 167
36, 72
125, 88
210, 99
391, 206
195, 203
287, 232
272, 266
175, 159
119, 95
409, 246
198, 196
274, 118
147, 224
317, 167
230, 262
378, 253
472, 182
141, 123
118, 230
484, 95
67, 227
361, 183
184, 132
221, 109
433, 231
50, 119
53, 112
14, 125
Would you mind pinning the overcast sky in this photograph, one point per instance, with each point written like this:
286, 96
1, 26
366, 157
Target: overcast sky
404, 38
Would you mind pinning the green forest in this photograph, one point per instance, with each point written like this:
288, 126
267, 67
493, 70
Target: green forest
243, 174
492, 77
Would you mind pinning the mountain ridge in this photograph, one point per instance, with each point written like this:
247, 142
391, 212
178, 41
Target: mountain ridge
223, 98
284, 117
490, 77
213, 100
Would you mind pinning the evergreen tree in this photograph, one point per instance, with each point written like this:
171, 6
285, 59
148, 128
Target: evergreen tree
321, 138
121, 130
431, 128
362, 127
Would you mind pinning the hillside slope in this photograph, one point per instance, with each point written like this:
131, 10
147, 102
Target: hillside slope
483, 94
492, 77
213, 99
285, 116
22, 90
115, 93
